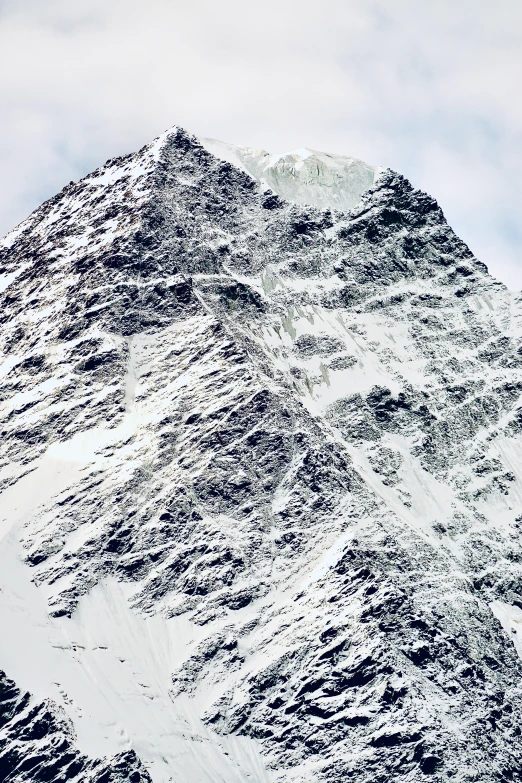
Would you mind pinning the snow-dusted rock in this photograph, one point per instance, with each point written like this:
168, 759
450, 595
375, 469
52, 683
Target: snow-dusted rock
37, 744
262, 463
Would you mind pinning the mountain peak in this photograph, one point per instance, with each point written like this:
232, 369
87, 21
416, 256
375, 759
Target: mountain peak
260, 479
303, 176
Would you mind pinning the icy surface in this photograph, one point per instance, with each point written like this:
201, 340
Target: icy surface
261, 479
303, 176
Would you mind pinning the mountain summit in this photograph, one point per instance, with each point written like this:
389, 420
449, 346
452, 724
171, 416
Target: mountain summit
261, 473
303, 176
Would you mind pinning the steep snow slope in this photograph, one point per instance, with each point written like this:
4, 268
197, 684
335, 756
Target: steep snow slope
261, 473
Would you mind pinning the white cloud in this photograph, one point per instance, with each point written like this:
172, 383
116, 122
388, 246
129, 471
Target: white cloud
430, 89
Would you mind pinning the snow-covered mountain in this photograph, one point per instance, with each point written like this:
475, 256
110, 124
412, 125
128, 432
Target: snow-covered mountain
261, 472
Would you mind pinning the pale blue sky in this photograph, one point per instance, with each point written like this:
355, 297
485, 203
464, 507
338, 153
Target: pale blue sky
429, 88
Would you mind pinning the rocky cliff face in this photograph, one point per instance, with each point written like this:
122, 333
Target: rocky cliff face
262, 471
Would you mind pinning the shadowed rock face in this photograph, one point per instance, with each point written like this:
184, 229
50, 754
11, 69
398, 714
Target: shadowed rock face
295, 431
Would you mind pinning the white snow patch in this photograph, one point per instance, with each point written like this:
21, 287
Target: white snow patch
13, 235
7, 279
510, 618
327, 561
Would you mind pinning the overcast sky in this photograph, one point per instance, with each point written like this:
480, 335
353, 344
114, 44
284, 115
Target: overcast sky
430, 88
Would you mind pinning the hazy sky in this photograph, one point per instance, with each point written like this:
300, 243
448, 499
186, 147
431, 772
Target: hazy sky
428, 87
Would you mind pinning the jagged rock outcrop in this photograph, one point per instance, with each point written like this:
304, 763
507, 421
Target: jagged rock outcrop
292, 430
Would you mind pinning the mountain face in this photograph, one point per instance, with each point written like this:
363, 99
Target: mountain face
261, 472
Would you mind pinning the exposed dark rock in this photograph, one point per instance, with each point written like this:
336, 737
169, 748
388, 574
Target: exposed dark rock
298, 433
